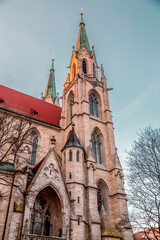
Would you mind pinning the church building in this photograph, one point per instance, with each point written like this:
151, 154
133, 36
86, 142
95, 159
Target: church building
69, 185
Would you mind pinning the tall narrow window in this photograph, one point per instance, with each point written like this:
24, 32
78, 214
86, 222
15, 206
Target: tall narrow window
77, 156
73, 71
70, 156
99, 199
96, 147
71, 106
94, 72
93, 105
34, 147
84, 66
64, 158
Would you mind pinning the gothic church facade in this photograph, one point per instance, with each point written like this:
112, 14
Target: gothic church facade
74, 180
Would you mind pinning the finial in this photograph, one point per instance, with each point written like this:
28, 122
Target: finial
52, 67
92, 47
73, 125
73, 47
81, 11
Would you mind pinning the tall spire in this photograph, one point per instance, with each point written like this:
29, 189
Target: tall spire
51, 85
82, 36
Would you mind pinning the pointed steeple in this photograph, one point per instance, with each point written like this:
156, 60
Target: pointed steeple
82, 37
51, 85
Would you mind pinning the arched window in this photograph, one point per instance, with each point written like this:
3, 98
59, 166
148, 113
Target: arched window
73, 71
71, 106
70, 175
94, 72
84, 67
93, 105
96, 147
77, 156
34, 147
70, 156
102, 196
99, 199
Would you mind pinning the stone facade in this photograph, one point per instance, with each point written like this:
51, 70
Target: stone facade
77, 190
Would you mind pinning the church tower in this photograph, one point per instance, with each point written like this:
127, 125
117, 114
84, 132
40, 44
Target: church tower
90, 164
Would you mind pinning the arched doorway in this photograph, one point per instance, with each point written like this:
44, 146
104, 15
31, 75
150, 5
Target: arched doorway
46, 216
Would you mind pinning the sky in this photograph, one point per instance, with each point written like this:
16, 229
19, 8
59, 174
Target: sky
126, 36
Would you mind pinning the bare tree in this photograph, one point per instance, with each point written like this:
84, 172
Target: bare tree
16, 142
144, 182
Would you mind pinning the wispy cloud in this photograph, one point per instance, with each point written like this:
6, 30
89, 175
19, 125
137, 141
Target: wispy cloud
138, 102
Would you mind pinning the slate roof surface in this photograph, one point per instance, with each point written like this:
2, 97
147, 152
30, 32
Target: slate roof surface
72, 140
26, 105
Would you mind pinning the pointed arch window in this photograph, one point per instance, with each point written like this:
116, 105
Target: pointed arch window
99, 199
71, 106
93, 105
34, 147
77, 156
70, 156
96, 147
84, 67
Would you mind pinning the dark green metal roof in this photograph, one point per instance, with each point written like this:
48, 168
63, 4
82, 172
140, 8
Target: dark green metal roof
6, 167
51, 85
82, 37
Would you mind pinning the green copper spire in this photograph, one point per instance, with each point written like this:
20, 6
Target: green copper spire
51, 85
82, 37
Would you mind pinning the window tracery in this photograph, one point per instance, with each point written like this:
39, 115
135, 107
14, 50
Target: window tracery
40, 217
93, 105
96, 147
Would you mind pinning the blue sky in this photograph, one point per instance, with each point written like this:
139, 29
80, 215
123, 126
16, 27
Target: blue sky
126, 36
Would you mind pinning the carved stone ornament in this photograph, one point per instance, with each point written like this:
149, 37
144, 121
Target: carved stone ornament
50, 172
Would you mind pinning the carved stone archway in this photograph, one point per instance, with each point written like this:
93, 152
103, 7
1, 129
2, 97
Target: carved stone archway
46, 216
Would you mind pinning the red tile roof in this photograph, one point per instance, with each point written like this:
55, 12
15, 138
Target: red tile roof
29, 106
